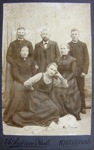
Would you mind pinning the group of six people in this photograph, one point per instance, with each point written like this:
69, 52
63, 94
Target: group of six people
48, 83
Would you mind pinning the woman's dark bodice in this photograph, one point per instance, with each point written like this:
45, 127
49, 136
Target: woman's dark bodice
42, 86
23, 69
67, 65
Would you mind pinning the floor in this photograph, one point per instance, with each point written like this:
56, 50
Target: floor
81, 129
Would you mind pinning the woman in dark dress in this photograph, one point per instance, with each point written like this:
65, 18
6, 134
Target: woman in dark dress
42, 111
68, 100
24, 68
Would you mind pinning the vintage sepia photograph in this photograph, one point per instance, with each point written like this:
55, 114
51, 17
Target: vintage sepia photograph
46, 69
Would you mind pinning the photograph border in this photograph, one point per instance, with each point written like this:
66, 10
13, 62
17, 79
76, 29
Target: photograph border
73, 142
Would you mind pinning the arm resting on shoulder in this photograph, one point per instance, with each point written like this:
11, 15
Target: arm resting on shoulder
31, 81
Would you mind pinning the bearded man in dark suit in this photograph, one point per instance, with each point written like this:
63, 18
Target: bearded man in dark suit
79, 50
46, 51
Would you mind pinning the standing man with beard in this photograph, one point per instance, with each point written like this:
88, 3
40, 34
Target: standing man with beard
79, 50
46, 51
14, 48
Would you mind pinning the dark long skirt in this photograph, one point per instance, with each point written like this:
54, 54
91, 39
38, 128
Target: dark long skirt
68, 100
42, 111
17, 101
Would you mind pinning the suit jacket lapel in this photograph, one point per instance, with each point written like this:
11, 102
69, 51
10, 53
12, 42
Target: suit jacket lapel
79, 44
49, 44
41, 45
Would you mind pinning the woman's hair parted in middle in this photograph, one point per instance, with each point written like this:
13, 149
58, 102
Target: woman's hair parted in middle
53, 63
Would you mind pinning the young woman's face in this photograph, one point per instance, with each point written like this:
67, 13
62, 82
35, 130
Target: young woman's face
52, 70
64, 50
24, 52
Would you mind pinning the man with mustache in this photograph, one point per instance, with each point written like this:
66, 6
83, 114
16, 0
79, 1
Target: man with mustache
46, 51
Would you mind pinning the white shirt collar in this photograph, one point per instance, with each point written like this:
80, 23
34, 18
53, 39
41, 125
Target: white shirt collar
75, 42
45, 42
20, 39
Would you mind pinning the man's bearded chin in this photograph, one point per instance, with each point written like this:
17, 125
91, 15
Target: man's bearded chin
45, 39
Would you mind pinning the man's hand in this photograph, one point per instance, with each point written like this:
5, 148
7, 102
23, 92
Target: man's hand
83, 74
37, 67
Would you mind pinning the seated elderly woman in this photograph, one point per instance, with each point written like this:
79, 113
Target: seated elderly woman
67, 100
41, 109
24, 68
